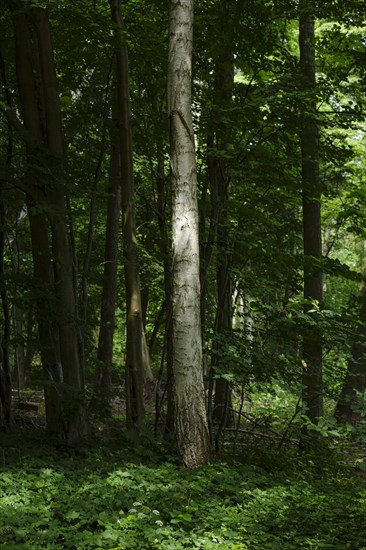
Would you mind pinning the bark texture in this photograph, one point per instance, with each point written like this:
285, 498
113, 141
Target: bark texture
311, 193
219, 174
191, 430
41, 113
351, 399
5, 378
137, 356
109, 290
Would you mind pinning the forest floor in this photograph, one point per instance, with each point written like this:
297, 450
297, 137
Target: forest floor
117, 493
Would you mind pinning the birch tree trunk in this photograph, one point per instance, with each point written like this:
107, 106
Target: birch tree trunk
191, 430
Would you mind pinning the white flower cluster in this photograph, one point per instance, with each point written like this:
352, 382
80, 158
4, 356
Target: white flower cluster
142, 515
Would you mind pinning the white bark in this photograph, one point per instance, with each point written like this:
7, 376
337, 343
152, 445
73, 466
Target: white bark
190, 415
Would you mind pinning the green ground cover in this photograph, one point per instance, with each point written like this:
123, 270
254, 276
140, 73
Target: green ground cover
100, 498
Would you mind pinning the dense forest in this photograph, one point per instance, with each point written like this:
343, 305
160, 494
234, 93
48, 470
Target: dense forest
182, 274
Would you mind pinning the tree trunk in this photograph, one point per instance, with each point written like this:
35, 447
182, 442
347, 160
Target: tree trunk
311, 193
220, 185
61, 248
30, 339
109, 290
5, 375
191, 430
89, 241
137, 357
351, 399
19, 351
39, 228
208, 238
43, 288
165, 247
5, 379
42, 119
223, 402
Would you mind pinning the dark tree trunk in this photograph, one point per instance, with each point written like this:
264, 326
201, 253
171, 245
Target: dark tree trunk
208, 236
165, 247
219, 173
5, 376
109, 290
137, 359
30, 340
89, 240
222, 411
351, 400
39, 228
42, 119
43, 288
20, 373
5, 379
61, 248
311, 193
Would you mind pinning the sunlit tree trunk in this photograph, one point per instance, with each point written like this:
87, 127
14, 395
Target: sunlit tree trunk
311, 194
191, 429
137, 357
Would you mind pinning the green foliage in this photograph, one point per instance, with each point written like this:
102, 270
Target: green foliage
263, 158
109, 499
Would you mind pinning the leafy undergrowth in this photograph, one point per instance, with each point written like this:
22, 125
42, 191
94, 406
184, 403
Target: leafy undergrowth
133, 498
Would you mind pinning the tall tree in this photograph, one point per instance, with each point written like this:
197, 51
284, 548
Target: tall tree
5, 378
137, 357
109, 290
219, 172
311, 200
351, 399
42, 130
191, 430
